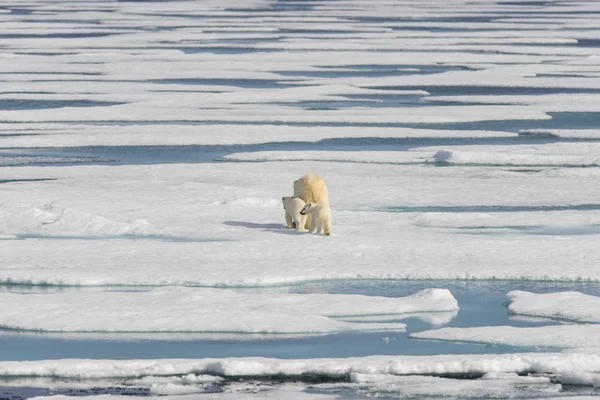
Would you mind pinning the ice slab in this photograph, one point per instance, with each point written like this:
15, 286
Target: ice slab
570, 306
26, 220
375, 157
389, 366
361, 385
491, 385
155, 111
557, 337
61, 135
563, 101
480, 158
524, 221
250, 391
239, 210
210, 311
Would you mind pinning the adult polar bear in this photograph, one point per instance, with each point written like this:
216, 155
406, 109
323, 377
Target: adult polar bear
312, 189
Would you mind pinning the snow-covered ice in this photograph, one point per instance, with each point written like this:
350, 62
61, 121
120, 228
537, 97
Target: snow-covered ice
564, 306
228, 221
60, 135
473, 158
379, 157
149, 144
570, 306
549, 337
385, 366
203, 310
518, 374
491, 385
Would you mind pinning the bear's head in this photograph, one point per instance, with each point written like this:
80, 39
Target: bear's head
308, 208
284, 199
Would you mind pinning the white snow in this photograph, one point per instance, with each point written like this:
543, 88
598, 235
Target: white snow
228, 221
571, 306
550, 363
160, 111
27, 220
474, 158
204, 310
284, 92
60, 135
491, 385
557, 337
235, 392
377, 157
561, 102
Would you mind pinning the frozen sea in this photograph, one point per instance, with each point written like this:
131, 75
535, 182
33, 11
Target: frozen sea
145, 147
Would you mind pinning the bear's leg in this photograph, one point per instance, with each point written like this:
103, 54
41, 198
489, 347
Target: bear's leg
327, 230
288, 220
314, 225
303, 220
299, 222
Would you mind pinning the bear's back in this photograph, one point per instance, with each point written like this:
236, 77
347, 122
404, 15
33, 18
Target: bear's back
312, 189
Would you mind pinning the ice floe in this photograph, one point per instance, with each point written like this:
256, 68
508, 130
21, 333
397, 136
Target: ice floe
27, 220
379, 157
475, 158
388, 366
570, 306
557, 337
212, 212
491, 385
60, 135
209, 311
279, 75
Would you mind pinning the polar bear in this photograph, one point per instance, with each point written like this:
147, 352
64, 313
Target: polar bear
320, 217
312, 189
293, 206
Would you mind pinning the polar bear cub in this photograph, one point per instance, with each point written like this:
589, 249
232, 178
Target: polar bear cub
293, 207
320, 217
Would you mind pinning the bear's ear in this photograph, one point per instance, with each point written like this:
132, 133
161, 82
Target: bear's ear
283, 198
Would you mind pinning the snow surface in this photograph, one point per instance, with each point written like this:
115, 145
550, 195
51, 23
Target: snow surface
567, 306
477, 365
291, 392
378, 157
500, 97
204, 310
570, 306
473, 158
228, 221
555, 337
60, 135
490, 386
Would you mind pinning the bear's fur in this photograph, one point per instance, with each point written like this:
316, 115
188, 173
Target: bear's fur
312, 189
320, 217
293, 206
